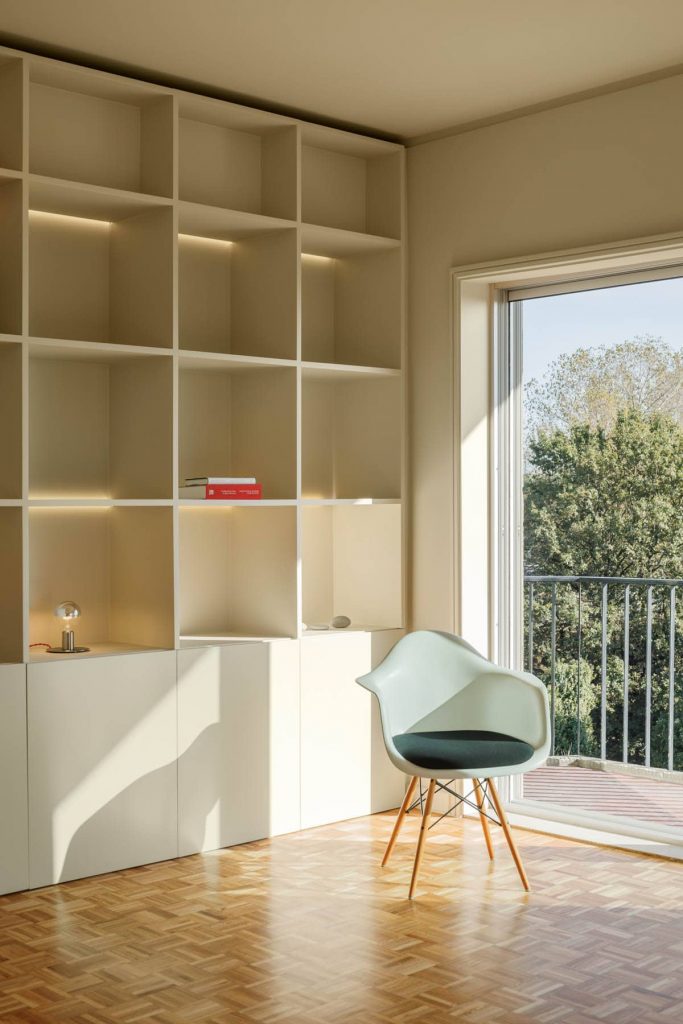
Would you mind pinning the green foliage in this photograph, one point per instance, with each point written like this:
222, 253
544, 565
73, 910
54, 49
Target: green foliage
603, 496
574, 691
604, 502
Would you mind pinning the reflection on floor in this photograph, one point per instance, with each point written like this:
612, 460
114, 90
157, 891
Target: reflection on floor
607, 792
307, 929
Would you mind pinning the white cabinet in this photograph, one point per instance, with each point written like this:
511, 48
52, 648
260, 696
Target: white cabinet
142, 757
13, 792
345, 771
238, 739
102, 764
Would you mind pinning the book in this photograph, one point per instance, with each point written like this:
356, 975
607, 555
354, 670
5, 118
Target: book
193, 481
223, 492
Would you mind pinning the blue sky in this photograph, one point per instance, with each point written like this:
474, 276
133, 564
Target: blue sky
561, 323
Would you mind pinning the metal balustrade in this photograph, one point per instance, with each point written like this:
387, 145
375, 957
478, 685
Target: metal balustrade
604, 591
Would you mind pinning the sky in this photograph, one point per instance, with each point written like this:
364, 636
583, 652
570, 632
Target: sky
606, 316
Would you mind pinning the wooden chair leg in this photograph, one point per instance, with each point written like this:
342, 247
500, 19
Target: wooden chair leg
508, 834
479, 796
423, 835
399, 820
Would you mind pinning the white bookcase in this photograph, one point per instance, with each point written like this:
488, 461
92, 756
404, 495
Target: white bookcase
236, 297
192, 287
188, 286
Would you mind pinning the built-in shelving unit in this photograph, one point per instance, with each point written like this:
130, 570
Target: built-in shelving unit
114, 416
349, 424
237, 158
100, 267
238, 415
11, 605
352, 564
192, 287
238, 296
238, 571
118, 560
351, 308
11, 404
11, 251
99, 129
351, 182
11, 112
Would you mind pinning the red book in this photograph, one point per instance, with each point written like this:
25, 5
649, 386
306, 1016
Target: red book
238, 492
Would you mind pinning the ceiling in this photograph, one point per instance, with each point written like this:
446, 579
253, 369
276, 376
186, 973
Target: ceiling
400, 68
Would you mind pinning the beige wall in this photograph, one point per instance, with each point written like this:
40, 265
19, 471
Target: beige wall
602, 170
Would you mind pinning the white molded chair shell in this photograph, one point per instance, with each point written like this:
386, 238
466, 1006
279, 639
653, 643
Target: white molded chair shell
433, 681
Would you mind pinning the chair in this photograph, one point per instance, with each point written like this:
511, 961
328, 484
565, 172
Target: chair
448, 713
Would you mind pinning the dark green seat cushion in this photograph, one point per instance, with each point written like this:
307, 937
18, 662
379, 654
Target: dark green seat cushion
465, 749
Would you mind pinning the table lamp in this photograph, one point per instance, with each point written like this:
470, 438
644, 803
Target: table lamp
68, 612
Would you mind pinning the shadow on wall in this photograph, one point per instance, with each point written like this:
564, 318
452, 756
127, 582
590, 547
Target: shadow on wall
125, 818
235, 778
237, 775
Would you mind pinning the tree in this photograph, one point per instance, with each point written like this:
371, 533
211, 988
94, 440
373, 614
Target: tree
606, 502
591, 386
575, 697
603, 496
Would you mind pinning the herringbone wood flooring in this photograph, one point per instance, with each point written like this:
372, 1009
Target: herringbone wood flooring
308, 929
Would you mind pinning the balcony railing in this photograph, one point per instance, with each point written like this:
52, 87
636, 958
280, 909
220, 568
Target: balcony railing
617, 634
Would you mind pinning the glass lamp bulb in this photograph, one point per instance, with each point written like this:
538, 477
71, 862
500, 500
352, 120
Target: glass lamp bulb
68, 611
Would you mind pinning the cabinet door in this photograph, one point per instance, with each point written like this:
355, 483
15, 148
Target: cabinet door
102, 764
13, 791
238, 737
345, 771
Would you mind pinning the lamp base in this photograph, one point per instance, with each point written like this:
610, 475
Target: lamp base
68, 644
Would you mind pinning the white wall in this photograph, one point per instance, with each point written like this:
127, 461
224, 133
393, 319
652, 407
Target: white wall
603, 170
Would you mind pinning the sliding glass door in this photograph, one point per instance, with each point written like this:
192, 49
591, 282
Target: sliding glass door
589, 530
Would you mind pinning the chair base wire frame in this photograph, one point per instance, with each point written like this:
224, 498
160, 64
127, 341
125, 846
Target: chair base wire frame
484, 792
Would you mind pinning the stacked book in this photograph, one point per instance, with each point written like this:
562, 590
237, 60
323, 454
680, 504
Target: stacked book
222, 488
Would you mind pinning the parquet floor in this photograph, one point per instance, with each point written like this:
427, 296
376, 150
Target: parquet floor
307, 929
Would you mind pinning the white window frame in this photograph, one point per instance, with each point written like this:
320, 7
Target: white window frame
491, 619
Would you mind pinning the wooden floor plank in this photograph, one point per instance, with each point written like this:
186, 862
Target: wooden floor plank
309, 929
